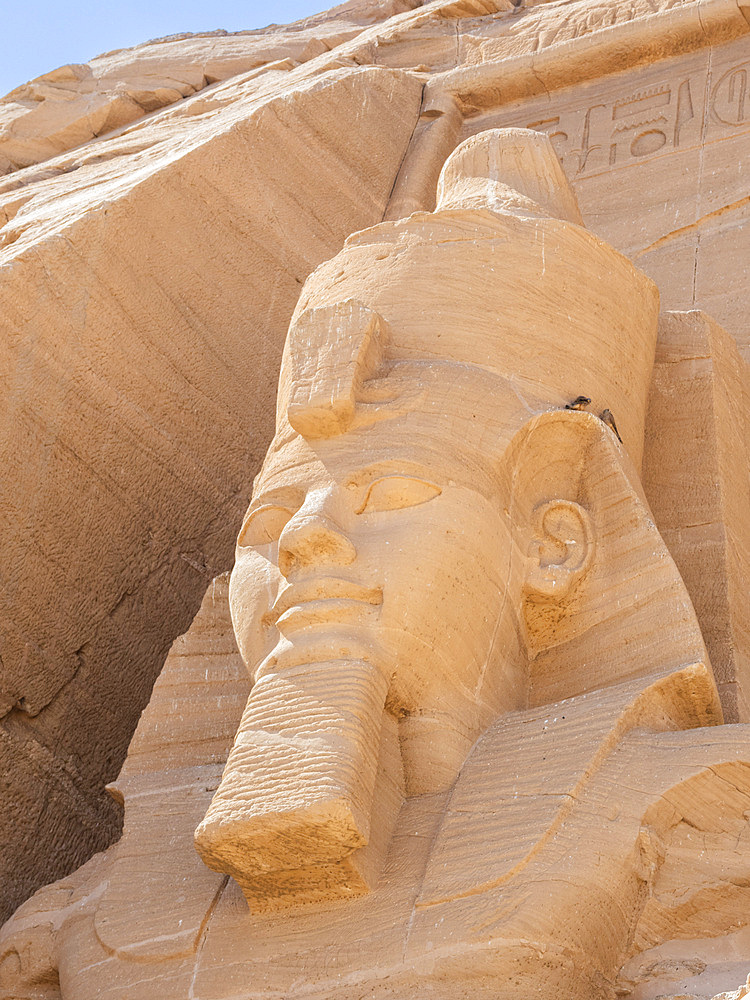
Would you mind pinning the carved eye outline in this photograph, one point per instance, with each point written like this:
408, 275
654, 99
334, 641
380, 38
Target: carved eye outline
397, 493
264, 525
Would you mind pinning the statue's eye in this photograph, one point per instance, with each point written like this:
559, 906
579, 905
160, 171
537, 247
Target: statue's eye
396, 492
263, 525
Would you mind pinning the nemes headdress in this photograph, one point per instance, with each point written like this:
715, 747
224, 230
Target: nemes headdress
502, 276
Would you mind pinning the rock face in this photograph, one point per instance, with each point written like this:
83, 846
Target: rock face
482, 742
142, 331
77, 103
162, 208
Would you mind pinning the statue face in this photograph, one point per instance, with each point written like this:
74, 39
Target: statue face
388, 543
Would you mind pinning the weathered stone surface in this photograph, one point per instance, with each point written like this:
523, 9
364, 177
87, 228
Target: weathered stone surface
184, 733
175, 761
483, 746
144, 299
138, 267
77, 103
695, 475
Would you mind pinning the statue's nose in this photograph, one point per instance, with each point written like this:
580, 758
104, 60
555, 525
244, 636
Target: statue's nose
312, 538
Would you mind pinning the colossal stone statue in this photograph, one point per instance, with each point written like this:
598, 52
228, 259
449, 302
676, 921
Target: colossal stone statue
470, 751
401, 565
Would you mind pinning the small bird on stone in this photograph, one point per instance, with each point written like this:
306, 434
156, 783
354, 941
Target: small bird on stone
606, 417
579, 403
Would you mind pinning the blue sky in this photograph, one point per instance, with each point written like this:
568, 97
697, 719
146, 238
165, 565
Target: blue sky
39, 36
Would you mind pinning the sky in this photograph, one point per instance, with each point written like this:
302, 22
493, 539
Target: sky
40, 36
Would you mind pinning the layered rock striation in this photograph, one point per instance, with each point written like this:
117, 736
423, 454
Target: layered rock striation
161, 208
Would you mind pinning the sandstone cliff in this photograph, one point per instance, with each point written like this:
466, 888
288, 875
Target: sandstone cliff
160, 209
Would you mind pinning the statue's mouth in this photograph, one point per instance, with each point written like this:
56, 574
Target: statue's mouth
322, 613
322, 600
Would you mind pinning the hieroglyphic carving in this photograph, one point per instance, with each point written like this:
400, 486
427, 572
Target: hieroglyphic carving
637, 124
729, 102
628, 128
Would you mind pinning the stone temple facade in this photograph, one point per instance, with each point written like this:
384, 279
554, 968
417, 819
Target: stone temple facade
428, 321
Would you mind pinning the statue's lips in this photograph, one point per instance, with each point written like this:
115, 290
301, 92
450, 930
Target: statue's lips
329, 599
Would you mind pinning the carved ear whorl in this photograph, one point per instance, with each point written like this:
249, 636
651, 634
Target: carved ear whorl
560, 462
561, 549
593, 568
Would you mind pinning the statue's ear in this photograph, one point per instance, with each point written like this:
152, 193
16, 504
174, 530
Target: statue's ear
561, 549
596, 577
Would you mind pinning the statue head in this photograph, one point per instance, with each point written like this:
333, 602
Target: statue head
430, 522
